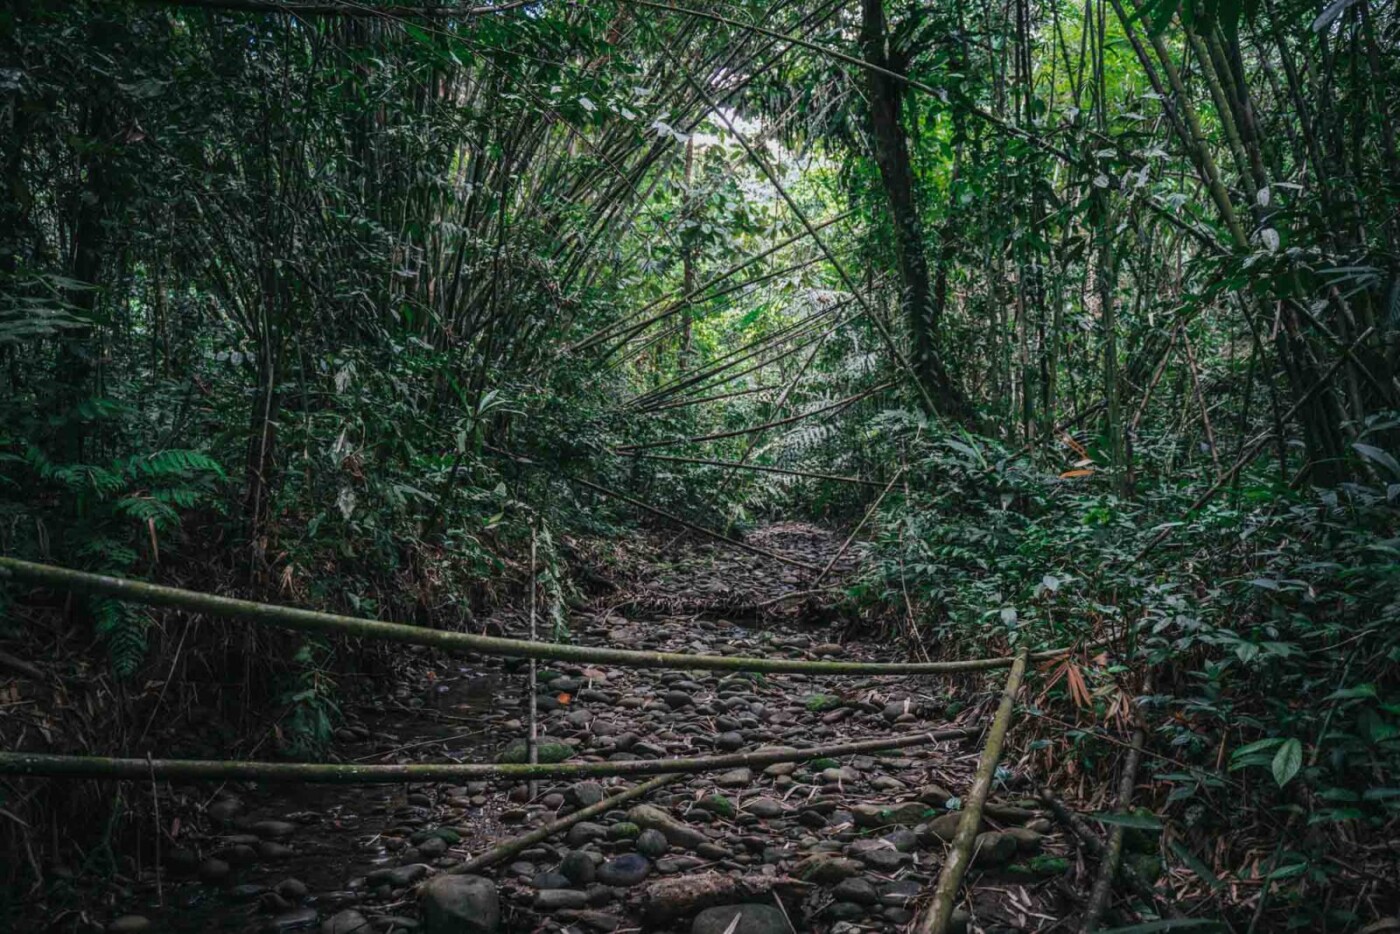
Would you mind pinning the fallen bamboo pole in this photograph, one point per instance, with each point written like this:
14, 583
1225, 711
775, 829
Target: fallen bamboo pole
1096, 847
940, 913
506, 850
62, 766
135, 591
1113, 852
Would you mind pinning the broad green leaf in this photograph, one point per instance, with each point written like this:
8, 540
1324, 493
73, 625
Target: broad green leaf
1287, 761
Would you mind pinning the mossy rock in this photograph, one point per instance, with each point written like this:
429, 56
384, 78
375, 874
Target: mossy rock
1039, 867
718, 804
446, 834
548, 674
550, 751
820, 703
624, 830
817, 765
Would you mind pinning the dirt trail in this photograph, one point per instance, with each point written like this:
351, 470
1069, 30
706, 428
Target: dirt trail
826, 846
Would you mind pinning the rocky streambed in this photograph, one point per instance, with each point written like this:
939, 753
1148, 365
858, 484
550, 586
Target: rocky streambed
826, 845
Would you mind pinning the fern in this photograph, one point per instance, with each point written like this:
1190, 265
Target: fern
123, 628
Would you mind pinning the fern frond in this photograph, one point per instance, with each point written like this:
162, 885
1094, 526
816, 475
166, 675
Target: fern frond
122, 627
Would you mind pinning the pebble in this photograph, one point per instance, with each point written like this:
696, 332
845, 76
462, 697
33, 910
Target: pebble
555, 899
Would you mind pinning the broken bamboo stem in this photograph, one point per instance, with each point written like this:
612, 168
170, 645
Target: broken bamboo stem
940, 913
287, 617
1080, 828
49, 765
1113, 852
504, 851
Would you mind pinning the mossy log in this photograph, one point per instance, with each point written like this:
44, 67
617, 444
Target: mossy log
60, 766
314, 621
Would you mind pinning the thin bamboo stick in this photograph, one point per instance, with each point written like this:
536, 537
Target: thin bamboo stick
505, 851
764, 468
104, 767
838, 404
940, 913
135, 591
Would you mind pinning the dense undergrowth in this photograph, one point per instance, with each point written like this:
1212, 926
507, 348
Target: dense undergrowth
1082, 316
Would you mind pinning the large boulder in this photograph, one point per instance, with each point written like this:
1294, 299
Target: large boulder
460, 905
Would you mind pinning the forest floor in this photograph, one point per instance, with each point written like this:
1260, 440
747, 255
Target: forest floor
844, 846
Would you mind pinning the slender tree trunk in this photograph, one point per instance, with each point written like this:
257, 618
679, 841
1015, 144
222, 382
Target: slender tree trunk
897, 174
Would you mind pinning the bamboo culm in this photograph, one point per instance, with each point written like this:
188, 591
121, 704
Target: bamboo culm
63, 766
940, 913
192, 601
505, 851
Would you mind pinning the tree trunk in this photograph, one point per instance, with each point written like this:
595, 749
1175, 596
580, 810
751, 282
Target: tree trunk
896, 172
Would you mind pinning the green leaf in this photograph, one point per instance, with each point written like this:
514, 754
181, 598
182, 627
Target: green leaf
1287, 761
1258, 745
1384, 458
1195, 864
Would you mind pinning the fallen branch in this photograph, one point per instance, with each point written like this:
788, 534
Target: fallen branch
36, 764
311, 620
940, 913
1080, 828
1113, 853
505, 851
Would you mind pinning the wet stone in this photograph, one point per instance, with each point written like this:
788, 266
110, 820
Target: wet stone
577, 866
129, 924
625, 871
752, 919
652, 843
274, 829
460, 905
348, 921
856, 890
552, 880
295, 920
555, 899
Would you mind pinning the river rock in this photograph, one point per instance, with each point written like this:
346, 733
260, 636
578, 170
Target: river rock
577, 866
556, 899
348, 921
584, 832
994, 848
551, 749
460, 905
652, 843
879, 815
625, 871
585, 794
765, 808
676, 833
274, 829
856, 890
129, 924
753, 919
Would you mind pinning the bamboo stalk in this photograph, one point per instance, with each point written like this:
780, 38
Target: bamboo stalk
936, 920
35, 764
1113, 852
838, 404
765, 468
504, 851
534, 742
1080, 828
313, 621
